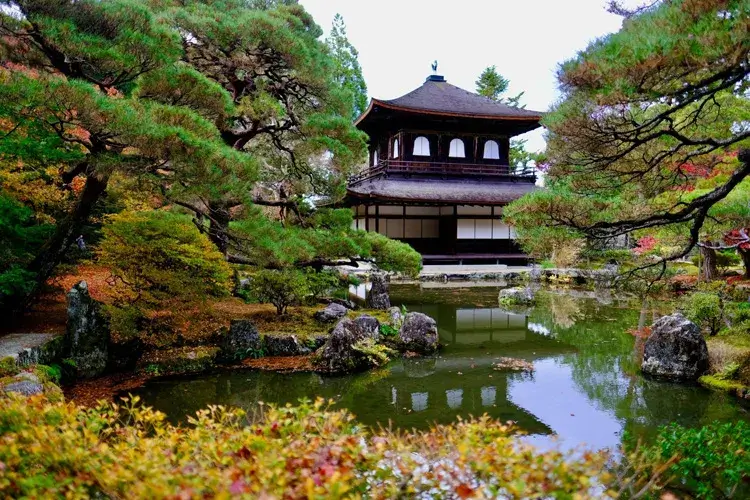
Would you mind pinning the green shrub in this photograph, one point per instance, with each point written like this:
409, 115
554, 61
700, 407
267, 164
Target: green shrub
705, 309
158, 255
708, 462
391, 255
280, 288
8, 366
737, 312
20, 236
52, 373
387, 330
323, 282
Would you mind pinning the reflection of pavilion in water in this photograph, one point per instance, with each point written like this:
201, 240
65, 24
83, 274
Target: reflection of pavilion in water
461, 380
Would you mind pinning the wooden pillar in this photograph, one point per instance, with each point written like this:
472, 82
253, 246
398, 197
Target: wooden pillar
505, 151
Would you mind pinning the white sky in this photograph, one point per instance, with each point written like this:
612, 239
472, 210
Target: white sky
525, 39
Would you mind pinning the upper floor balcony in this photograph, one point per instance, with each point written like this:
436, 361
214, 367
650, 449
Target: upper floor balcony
438, 169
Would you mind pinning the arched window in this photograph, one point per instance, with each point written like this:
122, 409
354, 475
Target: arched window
375, 159
491, 151
456, 149
395, 148
421, 146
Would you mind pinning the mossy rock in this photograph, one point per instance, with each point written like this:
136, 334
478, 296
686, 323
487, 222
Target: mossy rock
180, 360
30, 383
720, 384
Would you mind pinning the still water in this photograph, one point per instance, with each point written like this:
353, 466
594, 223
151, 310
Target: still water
586, 387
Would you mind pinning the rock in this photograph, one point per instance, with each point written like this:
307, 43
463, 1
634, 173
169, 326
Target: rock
319, 341
26, 384
179, 360
342, 352
87, 336
369, 326
419, 333
378, 297
676, 349
32, 348
397, 318
331, 313
346, 303
522, 296
513, 277
241, 341
283, 345
535, 273
31, 384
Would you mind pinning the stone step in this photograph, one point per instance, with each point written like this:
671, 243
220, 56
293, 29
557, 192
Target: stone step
31, 348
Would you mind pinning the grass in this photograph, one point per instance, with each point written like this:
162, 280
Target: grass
724, 352
714, 382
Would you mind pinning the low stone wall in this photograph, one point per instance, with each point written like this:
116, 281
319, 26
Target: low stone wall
599, 277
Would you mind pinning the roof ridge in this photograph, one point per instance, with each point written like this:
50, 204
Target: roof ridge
448, 98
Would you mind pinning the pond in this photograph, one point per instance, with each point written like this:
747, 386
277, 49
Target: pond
586, 387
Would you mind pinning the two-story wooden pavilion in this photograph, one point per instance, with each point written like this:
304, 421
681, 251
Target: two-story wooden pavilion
439, 174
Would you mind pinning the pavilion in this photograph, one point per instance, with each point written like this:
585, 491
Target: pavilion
439, 176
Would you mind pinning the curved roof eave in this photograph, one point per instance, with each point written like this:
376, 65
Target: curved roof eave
387, 105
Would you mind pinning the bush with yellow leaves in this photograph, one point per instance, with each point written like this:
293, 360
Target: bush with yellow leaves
307, 451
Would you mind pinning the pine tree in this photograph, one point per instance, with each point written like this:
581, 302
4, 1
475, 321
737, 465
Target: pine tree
210, 106
643, 110
348, 72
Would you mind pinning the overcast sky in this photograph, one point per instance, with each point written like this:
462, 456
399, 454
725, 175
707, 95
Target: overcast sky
525, 39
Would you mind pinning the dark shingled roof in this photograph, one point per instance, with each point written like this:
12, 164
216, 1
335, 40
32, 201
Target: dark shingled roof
464, 192
437, 96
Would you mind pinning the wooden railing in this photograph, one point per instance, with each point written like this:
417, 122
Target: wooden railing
440, 169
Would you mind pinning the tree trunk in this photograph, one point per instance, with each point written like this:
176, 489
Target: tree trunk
66, 232
218, 231
745, 255
709, 270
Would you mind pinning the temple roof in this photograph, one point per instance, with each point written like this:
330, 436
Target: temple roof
436, 96
460, 191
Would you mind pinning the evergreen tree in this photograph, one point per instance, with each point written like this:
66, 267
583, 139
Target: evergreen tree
347, 71
493, 85
213, 106
67, 95
642, 110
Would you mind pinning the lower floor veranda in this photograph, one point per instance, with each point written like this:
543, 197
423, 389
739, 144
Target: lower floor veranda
445, 232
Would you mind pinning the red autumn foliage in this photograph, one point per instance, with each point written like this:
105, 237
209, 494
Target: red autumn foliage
645, 244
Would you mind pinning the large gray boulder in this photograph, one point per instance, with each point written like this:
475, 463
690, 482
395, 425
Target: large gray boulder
378, 297
87, 335
331, 313
520, 296
419, 334
675, 350
241, 341
283, 345
343, 351
369, 325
